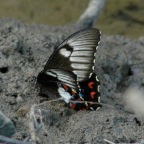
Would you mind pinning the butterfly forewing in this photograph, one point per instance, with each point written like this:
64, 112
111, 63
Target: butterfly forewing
76, 54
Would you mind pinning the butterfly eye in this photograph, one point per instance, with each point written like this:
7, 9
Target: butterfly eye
34, 79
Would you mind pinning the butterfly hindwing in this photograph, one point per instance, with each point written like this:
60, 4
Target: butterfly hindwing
88, 95
74, 101
90, 91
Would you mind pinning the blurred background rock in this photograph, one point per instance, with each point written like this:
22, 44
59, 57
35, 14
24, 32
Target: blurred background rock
122, 17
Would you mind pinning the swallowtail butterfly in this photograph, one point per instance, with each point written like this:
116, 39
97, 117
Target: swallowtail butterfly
70, 70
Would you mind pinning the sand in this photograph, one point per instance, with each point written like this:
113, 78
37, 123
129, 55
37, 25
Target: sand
24, 50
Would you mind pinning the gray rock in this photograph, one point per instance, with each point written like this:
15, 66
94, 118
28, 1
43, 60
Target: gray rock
7, 128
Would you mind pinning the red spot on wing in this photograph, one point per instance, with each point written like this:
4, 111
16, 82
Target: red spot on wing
92, 94
72, 105
65, 87
90, 85
79, 99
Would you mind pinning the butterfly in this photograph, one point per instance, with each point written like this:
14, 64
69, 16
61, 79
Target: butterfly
70, 70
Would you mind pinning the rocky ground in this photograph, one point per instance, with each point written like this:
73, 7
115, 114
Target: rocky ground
24, 50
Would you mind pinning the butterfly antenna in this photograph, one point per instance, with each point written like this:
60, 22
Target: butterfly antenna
89, 102
49, 101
